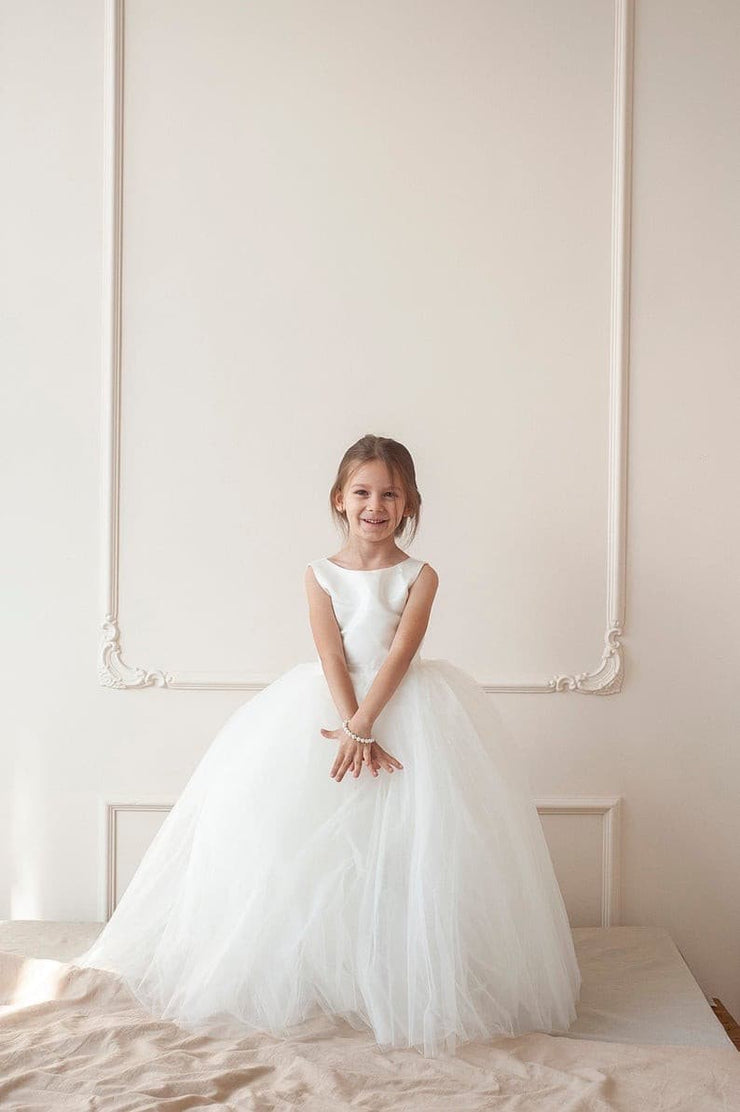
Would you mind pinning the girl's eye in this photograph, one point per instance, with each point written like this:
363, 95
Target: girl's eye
392, 493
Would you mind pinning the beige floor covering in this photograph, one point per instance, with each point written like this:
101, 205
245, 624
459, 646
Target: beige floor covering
76, 1039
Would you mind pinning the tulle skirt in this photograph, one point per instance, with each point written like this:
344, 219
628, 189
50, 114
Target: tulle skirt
421, 904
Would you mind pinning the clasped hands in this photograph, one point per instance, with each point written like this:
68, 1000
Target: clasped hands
353, 754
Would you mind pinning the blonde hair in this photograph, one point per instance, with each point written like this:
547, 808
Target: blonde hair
397, 459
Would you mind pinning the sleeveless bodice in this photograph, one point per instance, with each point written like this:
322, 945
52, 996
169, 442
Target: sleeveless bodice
368, 606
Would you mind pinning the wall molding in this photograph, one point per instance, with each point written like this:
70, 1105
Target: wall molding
111, 811
607, 676
607, 807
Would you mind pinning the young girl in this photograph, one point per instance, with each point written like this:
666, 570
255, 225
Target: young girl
399, 876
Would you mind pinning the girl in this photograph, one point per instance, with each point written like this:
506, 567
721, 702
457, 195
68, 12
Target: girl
402, 881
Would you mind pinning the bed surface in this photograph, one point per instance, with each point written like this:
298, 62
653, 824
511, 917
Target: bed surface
645, 1037
636, 986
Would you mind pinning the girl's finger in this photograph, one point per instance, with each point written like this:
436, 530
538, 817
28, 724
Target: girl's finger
393, 759
343, 768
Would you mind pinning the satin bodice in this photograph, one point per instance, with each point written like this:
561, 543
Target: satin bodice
368, 606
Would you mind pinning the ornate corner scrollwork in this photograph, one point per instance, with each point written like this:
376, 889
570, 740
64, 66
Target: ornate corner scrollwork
606, 679
114, 672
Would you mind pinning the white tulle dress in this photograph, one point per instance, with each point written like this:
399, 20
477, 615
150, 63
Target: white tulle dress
421, 904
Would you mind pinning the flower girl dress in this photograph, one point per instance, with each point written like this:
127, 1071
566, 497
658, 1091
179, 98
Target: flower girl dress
421, 904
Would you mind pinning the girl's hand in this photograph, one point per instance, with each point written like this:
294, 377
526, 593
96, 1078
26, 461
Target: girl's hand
353, 754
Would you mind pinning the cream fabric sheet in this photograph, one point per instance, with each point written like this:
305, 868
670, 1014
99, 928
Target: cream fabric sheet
76, 1039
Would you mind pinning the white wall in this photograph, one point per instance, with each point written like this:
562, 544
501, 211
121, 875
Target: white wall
665, 743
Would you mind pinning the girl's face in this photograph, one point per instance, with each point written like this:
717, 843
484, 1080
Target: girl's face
373, 501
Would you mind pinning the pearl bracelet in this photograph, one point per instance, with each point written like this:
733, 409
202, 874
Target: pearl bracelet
364, 740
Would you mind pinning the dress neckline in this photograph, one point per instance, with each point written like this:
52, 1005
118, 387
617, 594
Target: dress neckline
366, 570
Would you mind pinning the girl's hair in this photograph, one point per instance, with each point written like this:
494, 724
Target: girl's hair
397, 459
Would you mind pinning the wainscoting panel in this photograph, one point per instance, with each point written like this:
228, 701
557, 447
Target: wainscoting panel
582, 835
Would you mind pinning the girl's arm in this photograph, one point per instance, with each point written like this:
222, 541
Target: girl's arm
328, 640
407, 638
